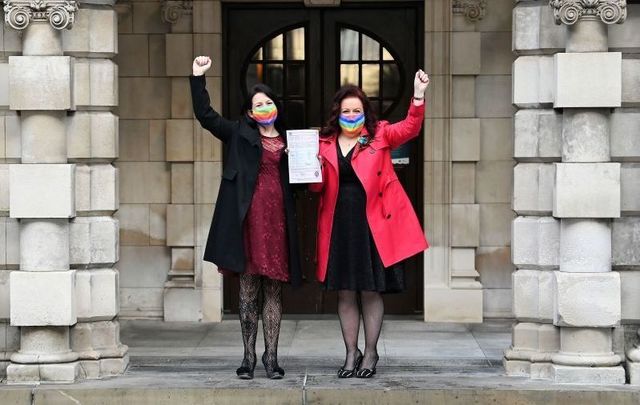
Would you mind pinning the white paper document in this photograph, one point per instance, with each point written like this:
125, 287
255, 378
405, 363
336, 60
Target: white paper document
304, 166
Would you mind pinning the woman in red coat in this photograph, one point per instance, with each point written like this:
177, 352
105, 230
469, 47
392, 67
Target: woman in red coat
366, 224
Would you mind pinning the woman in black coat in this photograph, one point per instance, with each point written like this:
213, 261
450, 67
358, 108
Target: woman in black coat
253, 232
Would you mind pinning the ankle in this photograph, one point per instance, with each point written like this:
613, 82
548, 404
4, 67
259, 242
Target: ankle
371, 353
249, 358
270, 357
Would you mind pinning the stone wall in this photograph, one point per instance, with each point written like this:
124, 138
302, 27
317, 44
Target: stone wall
170, 168
468, 162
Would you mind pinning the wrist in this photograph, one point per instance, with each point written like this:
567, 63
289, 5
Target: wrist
418, 96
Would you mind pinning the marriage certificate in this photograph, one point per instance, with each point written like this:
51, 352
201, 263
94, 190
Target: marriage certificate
304, 166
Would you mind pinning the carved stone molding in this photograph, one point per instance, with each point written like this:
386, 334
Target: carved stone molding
173, 10
570, 11
473, 10
122, 8
18, 14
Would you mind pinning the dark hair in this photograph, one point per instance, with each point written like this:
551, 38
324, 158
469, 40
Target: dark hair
332, 126
247, 106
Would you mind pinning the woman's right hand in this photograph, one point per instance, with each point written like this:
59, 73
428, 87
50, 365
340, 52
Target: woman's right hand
200, 65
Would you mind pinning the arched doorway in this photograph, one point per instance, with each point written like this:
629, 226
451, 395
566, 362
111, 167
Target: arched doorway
305, 54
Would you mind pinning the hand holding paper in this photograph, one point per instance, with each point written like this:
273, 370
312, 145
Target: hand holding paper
303, 147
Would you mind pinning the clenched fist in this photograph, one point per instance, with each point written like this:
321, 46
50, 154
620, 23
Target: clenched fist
420, 84
200, 65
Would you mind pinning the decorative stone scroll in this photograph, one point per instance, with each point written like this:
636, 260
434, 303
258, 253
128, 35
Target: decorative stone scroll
473, 10
18, 14
172, 10
570, 11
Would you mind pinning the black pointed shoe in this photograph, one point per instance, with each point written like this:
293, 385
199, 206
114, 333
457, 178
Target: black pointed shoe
346, 373
368, 372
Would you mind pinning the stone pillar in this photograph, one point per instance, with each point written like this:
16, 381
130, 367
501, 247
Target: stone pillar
65, 296
92, 139
10, 45
566, 191
452, 291
587, 303
193, 290
535, 233
42, 298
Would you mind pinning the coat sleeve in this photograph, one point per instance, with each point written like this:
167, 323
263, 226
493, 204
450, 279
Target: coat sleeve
402, 131
210, 120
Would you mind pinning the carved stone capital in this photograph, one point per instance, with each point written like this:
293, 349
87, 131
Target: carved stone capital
173, 10
570, 11
473, 10
18, 14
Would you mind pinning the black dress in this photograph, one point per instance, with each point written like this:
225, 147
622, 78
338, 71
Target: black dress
354, 262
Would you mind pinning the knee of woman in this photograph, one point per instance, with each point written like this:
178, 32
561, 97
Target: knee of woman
369, 295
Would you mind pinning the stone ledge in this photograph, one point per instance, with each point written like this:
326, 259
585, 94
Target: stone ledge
316, 392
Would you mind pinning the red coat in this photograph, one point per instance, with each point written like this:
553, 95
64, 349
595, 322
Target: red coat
393, 222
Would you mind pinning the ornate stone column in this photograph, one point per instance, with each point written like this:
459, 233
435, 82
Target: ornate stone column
64, 193
566, 191
587, 303
42, 298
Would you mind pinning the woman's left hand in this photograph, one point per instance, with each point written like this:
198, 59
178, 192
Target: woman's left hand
420, 84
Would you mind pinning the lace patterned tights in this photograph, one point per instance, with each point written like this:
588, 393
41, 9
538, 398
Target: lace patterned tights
250, 286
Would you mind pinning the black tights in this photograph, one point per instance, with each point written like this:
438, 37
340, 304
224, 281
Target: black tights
349, 314
250, 286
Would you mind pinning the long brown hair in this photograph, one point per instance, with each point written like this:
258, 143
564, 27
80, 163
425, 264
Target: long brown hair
332, 126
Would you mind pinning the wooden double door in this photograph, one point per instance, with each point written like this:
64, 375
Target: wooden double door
305, 55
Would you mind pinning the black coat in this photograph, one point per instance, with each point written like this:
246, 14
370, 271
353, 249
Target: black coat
243, 150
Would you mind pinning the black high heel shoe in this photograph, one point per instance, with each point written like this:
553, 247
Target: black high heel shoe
245, 372
274, 372
346, 373
368, 372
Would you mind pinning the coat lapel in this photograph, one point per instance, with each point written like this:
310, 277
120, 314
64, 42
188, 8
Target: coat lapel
249, 133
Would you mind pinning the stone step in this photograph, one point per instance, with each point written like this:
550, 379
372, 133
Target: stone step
363, 393
178, 380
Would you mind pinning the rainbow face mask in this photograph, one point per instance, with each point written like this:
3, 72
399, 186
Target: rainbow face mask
351, 126
265, 115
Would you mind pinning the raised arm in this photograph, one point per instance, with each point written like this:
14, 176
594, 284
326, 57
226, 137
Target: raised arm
210, 120
402, 131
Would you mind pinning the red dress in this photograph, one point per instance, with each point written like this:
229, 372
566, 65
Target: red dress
265, 231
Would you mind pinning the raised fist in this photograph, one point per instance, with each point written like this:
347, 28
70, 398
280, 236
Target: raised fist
200, 65
420, 83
